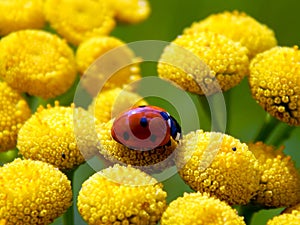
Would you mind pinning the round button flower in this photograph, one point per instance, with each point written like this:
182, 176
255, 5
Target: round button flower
21, 14
219, 165
292, 208
33, 192
61, 136
14, 111
197, 208
240, 27
286, 218
37, 62
275, 83
280, 181
78, 20
204, 62
121, 195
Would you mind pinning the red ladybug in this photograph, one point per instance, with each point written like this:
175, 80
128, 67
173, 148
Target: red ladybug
145, 128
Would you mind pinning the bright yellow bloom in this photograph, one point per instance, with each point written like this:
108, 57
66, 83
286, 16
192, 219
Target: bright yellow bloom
111, 102
115, 151
240, 27
20, 14
286, 219
292, 208
61, 136
275, 85
121, 195
78, 20
280, 181
197, 208
2, 222
204, 62
14, 111
33, 192
219, 165
37, 62
130, 11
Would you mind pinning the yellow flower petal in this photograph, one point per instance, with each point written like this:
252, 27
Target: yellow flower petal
33, 192
289, 219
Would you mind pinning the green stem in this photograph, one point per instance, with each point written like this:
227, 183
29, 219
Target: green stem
269, 125
68, 217
247, 211
283, 132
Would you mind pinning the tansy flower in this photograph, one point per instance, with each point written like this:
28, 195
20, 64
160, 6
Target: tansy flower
37, 62
78, 20
286, 218
240, 27
132, 11
275, 84
121, 195
14, 111
62, 136
204, 62
111, 102
158, 158
280, 181
292, 208
33, 192
20, 14
197, 208
219, 165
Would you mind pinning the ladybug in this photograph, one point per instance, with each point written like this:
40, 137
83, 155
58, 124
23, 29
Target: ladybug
145, 128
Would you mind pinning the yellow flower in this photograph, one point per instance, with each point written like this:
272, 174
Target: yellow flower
219, 165
2, 222
61, 136
132, 11
37, 62
274, 83
33, 192
115, 151
111, 102
121, 195
292, 208
21, 14
280, 181
14, 111
78, 20
197, 208
204, 62
240, 27
288, 219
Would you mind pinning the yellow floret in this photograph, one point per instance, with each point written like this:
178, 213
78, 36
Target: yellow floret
219, 165
204, 62
14, 111
62, 136
275, 84
240, 27
110, 103
292, 208
121, 195
37, 62
33, 192
280, 181
21, 14
197, 208
78, 20
286, 219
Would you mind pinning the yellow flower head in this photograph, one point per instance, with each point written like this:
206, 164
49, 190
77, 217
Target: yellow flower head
20, 14
275, 83
280, 181
78, 20
204, 62
33, 192
37, 62
115, 151
61, 136
197, 208
219, 165
288, 219
121, 195
292, 208
111, 102
2, 222
14, 111
240, 27
132, 11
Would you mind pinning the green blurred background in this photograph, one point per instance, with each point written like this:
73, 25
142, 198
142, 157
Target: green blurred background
167, 20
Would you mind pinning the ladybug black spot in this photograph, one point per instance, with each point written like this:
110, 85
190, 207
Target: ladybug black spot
153, 138
126, 136
143, 122
233, 148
